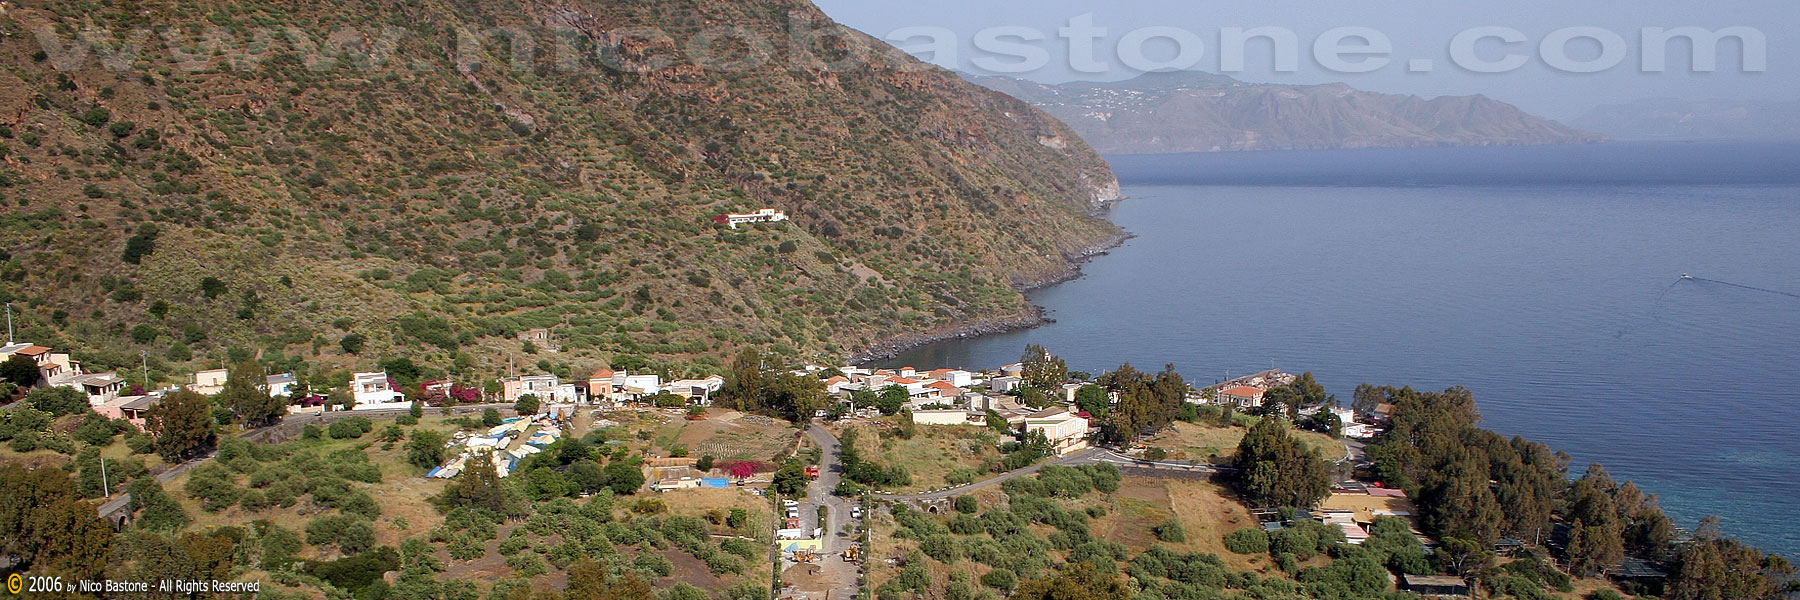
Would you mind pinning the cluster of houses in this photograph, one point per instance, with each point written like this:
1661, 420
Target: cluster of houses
1250, 391
105, 391
952, 397
607, 387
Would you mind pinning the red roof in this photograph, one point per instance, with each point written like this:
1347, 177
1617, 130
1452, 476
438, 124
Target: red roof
941, 372
902, 381
602, 374
33, 350
1242, 391
942, 385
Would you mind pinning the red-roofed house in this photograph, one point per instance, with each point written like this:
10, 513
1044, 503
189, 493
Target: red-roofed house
1242, 396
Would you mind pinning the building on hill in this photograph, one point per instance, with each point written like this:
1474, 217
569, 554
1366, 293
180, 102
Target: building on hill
209, 382
100, 388
765, 215
949, 416
542, 338
1004, 384
47, 363
1066, 431
375, 391
280, 384
542, 386
697, 391
1241, 396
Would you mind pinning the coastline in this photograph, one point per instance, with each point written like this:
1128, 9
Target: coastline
1031, 316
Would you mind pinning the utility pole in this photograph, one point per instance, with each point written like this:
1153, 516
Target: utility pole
144, 355
9, 335
104, 485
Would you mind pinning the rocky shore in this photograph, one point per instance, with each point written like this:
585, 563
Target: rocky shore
1032, 316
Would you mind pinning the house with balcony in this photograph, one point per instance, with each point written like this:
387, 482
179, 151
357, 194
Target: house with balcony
1066, 431
375, 391
765, 215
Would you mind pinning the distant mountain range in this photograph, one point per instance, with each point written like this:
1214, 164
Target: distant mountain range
1202, 112
1671, 119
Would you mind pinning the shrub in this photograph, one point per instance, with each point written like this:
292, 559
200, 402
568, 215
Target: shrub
1606, 594
1000, 579
967, 504
351, 428
352, 343
350, 534
1171, 531
740, 547
311, 432
1247, 541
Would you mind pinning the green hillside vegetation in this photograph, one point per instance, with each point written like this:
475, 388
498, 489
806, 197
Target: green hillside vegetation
230, 190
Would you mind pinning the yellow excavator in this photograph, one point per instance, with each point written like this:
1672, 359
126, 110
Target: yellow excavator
804, 556
852, 554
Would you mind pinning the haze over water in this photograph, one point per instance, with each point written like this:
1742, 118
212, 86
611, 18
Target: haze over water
1543, 279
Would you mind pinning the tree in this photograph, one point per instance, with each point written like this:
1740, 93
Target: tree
211, 287
183, 425
1715, 567
705, 464
490, 417
790, 480
478, 485
44, 522
243, 394
1304, 394
1041, 369
19, 370
426, 448
1092, 398
1076, 580
140, 245
527, 405
1276, 468
352, 343
891, 399
1145, 402
623, 477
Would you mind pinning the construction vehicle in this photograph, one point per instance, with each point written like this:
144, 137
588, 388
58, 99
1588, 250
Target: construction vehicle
852, 554
805, 556
812, 472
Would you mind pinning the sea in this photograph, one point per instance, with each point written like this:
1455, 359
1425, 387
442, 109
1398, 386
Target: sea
1547, 280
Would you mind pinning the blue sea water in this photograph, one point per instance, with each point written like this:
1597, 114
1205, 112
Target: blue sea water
1544, 279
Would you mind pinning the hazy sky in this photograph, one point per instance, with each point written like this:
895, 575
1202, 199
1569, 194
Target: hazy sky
1540, 80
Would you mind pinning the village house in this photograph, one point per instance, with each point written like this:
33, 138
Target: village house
697, 391
618, 386
1066, 431
951, 416
375, 391
41, 355
133, 409
542, 338
209, 382
280, 384
541, 386
956, 377
1241, 396
1004, 384
99, 388
765, 215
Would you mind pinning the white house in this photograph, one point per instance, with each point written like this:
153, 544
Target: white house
374, 391
697, 391
280, 384
766, 215
1004, 384
100, 388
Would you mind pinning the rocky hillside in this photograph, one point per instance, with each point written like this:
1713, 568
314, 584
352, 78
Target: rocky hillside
200, 179
1672, 119
1200, 112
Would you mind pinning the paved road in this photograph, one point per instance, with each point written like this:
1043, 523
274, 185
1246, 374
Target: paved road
838, 577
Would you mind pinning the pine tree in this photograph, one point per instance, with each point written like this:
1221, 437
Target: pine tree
1041, 369
183, 425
